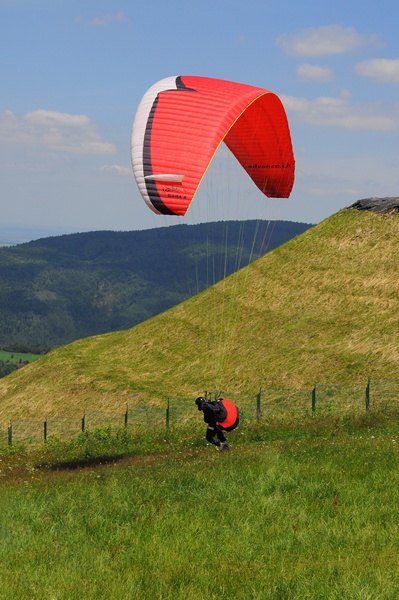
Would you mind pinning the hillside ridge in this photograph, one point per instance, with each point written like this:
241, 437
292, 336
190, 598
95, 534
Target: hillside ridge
323, 307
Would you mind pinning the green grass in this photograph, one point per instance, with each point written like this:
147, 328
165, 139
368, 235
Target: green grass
299, 509
17, 357
302, 508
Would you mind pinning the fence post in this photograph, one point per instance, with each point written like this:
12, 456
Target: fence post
126, 415
167, 414
368, 394
10, 433
314, 398
83, 421
258, 408
45, 430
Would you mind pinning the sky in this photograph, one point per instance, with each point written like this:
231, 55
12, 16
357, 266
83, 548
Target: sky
73, 73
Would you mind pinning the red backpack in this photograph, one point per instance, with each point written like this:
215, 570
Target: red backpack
232, 418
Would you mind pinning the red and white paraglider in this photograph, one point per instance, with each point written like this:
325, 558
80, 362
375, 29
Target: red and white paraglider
179, 125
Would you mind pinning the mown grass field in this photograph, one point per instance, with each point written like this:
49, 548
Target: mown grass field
299, 509
17, 357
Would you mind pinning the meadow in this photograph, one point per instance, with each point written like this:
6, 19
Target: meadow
305, 506
302, 507
17, 357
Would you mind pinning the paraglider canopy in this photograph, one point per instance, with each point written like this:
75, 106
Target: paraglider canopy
180, 123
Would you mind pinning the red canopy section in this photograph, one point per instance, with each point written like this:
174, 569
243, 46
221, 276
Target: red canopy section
180, 123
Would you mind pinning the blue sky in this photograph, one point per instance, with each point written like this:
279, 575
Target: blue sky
74, 71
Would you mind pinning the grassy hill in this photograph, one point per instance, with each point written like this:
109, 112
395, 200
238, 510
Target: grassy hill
59, 289
323, 307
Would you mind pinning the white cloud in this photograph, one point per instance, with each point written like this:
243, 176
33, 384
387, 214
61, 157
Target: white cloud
118, 169
331, 111
52, 118
324, 41
109, 19
57, 131
307, 72
380, 69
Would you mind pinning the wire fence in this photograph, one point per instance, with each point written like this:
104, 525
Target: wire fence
375, 395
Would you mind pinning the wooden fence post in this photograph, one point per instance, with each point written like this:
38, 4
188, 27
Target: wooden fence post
167, 414
368, 394
314, 398
258, 406
126, 415
9, 433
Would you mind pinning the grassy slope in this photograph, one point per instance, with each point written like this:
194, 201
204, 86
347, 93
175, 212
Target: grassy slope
322, 307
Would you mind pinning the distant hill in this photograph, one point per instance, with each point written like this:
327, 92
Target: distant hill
11, 236
323, 307
58, 289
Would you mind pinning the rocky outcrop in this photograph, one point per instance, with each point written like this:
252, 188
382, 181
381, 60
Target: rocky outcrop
378, 205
